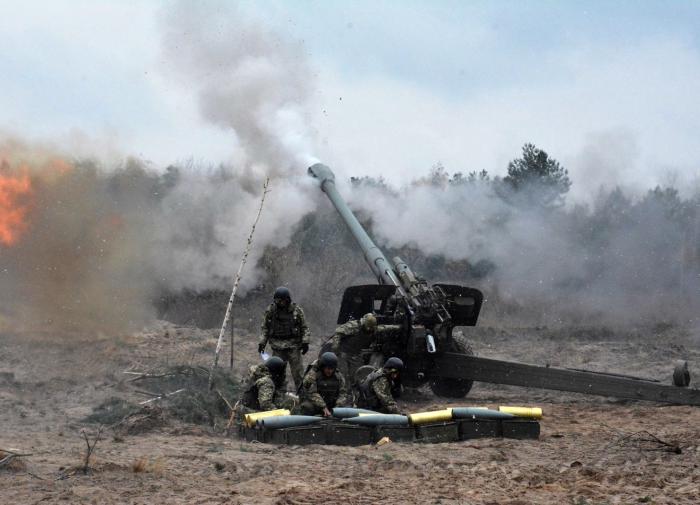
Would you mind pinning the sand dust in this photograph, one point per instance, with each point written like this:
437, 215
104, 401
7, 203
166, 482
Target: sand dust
591, 451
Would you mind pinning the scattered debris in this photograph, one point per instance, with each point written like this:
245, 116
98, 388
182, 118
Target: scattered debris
181, 393
10, 460
646, 441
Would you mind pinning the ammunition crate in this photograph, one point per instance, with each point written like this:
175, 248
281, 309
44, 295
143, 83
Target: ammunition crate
299, 435
438, 432
395, 433
348, 434
473, 428
274, 437
521, 428
249, 434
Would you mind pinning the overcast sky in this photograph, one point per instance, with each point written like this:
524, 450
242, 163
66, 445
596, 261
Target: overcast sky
611, 89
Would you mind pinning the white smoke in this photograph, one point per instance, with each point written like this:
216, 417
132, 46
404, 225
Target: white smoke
247, 79
623, 257
256, 84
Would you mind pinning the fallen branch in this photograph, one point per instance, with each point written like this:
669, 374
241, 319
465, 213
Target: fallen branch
15, 453
145, 393
8, 456
164, 395
143, 376
237, 280
652, 442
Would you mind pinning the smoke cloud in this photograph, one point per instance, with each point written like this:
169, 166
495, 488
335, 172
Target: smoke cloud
621, 258
91, 245
247, 79
101, 240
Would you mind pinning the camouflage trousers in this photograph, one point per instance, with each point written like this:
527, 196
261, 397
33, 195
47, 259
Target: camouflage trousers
293, 359
286, 401
307, 408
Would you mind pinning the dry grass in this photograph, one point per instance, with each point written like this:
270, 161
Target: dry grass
146, 465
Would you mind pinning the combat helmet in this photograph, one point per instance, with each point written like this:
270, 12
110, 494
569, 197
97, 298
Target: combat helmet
282, 293
276, 365
368, 322
393, 364
328, 360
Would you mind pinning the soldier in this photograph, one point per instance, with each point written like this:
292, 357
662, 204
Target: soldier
323, 387
354, 336
265, 387
378, 390
284, 327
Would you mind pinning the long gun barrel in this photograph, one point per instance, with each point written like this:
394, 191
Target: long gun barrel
373, 255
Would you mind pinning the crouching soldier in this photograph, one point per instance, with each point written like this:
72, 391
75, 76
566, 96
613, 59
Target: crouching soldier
380, 388
323, 387
265, 388
352, 337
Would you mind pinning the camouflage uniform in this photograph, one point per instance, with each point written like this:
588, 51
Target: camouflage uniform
377, 392
319, 392
261, 393
286, 331
350, 339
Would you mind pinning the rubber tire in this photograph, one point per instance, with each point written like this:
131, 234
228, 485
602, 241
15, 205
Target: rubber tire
454, 388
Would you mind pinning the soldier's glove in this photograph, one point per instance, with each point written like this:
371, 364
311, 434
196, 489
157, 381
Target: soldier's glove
304, 348
261, 348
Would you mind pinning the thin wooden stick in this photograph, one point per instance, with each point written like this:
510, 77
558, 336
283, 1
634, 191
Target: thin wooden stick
237, 280
160, 397
14, 452
230, 407
232, 332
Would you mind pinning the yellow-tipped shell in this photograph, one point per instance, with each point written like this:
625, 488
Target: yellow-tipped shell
527, 412
251, 419
435, 416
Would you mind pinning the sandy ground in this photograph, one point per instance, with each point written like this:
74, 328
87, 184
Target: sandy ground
592, 450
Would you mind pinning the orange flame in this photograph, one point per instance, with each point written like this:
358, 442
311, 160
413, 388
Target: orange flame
15, 192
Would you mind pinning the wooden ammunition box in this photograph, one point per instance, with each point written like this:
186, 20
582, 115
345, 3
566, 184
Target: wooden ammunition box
348, 434
395, 433
304, 435
249, 434
437, 432
479, 428
521, 428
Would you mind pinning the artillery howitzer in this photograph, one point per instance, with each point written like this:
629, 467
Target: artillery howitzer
425, 316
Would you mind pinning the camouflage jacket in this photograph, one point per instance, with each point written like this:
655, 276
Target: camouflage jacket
378, 388
324, 391
351, 329
261, 392
284, 328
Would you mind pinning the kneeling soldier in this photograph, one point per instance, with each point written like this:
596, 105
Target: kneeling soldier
265, 388
323, 387
378, 390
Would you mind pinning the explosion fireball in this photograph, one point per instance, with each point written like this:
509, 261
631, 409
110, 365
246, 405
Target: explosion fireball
15, 199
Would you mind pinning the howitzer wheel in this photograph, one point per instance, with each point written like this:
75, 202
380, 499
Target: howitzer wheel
448, 387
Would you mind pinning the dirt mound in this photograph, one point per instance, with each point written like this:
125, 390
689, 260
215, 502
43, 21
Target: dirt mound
179, 393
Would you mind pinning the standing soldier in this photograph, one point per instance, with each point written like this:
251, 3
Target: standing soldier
324, 387
284, 327
380, 388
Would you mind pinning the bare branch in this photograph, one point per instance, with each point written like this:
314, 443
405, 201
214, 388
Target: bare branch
237, 280
164, 395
